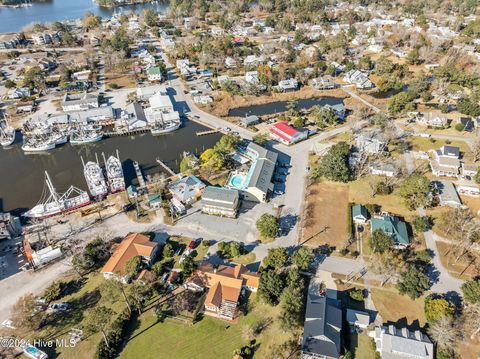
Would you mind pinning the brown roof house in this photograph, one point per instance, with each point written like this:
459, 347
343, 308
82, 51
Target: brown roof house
225, 285
134, 244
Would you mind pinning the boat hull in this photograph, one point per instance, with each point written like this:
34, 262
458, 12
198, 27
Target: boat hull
157, 132
40, 215
86, 141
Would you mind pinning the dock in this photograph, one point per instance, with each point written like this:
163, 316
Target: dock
126, 133
138, 172
165, 167
208, 132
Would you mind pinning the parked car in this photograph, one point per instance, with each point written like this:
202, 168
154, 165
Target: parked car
192, 244
59, 307
227, 129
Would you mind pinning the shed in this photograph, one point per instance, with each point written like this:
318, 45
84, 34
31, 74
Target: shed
250, 120
359, 214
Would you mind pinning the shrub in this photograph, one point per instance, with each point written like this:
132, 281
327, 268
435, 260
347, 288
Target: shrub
459, 127
356, 294
115, 337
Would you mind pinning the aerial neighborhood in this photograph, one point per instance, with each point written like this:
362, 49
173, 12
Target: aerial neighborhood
240, 179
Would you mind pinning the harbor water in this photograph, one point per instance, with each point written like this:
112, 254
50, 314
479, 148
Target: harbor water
22, 179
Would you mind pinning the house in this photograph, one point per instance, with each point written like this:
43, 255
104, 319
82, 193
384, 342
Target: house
370, 142
187, 190
339, 110
82, 75
447, 193
358, 319
230, 63
19, 93
446, 161
134, 244
144, 93
467, 123
382, 169
359, 214
251, 77
250, 120
253, 60
323, 83
134, 117
358, 78
220, 201
154, 74
286, 134
322, 327
468, 171
395, 343
94, 115
430, 119
393, 227
203, 100
78, 102
288, 85
225, 285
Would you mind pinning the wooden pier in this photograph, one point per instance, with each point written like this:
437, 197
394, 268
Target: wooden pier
126, 133
168, 169
208, 132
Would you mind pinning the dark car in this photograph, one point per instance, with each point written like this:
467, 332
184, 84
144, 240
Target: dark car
192, 244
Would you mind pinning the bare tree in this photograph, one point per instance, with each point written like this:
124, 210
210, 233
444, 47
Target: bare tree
476, 149
471, 318
445, 334
387, 266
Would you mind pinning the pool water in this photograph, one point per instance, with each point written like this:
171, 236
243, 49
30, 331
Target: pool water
237, 181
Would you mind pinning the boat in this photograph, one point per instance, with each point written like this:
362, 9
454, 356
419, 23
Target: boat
59, 138
56, 204
164, 127
78, 138
7, 134
37, 145
95, 179
113, 168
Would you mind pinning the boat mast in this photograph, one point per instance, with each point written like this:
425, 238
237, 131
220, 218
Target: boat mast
104, 159
53, 193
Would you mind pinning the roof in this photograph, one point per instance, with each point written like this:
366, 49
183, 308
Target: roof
357, 316
284, 130
393, 226
220, 197
401, 343
450, 151
447, 192
134, 244
154, 71
186, 188
359, 210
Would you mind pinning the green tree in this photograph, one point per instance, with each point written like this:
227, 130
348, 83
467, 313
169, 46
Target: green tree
413, 57
268, 226
421, 224
113, 290
9, 84
150, 17
356, 294
226, 144
379, 241
277, 258
188, 164
292, 307
25, 313
133, 265
34, 79
414, 282
271, 286
437, 307
261, 138
158, 268
414, 190
138, 295
334, 164
98, 319
471, 291
91, 21
303, 257
167, 250
53, 292
188, 265
292, 107
324, 116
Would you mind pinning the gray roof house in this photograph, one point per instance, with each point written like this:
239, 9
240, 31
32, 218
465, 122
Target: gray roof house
220, 201
447, 193
446, 161
322, 328
250, 120
393, 343
357, 318
79, 102
370, 142
186, 190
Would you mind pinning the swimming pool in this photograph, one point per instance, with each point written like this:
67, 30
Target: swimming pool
237, 181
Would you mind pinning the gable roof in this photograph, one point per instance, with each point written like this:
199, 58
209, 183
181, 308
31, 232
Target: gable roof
394, 227
134, 244
359, 210
284, 130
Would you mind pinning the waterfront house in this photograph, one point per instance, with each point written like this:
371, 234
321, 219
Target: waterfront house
323, 326
339, 110
79, 102
134, 244
446, 161
287, 85
468, 171
286, 134
251, 77
187, 190
323, 83
133, 117
230, 63
225, 285
392, 343
430, 119
250, 120
358, 78
219, 201
447, 193
359, 214
394, 227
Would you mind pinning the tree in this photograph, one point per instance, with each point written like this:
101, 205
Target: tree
158, 268
113, 290
292, 306
387, 265
356, 294
91, 21
292, 107
138, 295
93, 256
471, 319
414, 190
437, 307
133, 265
471, 291
334, 164
413, 57
150, 17
212, 160
445, 334
268, 226
421, 224
226, 144
9, 84
188, 265
34, 79
303, 257
261, 138
167, 251
413, 282
98, 319
277, 258
379, 241
188, 164
53, 292
271, 286
26, 313
324, 116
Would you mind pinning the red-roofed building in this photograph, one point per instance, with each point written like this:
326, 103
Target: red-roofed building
284, 133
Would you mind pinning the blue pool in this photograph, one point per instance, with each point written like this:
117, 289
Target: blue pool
237, 181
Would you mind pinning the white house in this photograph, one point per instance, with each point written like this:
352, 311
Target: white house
358, 78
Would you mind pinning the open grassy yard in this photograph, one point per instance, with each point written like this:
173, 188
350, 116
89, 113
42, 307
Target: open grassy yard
426, 144
361, 346
209, 338
120, 80
326, 222
473, 203
245, 258
394, 307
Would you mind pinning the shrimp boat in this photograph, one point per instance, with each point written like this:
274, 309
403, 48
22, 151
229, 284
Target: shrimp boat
84, 136
95, 179
56, 203
164, 127
113, 168
38, 144
7, 134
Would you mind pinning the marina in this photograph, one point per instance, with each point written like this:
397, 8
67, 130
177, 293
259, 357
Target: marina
65, 167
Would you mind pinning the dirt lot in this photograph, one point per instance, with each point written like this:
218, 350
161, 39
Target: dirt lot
121, 80
326, 217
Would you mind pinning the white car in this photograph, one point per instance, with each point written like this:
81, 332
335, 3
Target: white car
227, 129
59, 307
7, 323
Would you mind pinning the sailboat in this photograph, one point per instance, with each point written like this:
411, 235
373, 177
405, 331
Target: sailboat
113, 168
55, 203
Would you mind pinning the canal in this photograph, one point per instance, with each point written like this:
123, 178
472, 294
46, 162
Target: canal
14, 19
22, 175
273, 108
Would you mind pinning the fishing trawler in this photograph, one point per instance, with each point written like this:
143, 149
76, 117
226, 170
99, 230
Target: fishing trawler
95, 179
113, 168
56, 203
7, 134
37, 144
83, 135
161, 127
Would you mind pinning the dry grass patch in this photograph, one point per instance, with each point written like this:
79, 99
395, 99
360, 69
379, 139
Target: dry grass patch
473, 203
465, 268
121, 80
326, 214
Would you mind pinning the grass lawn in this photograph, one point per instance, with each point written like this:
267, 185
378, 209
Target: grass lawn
182, 242
426, 144
361, 346
473, 203
209, 338
392, 306
327, 207
244, 259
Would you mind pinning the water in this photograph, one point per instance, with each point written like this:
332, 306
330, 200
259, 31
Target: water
22, 175
14, 19
281, 106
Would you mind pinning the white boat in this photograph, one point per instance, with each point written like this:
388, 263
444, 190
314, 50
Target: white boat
56, 204
113, 168
86, 135
165, 127
7, 136
32, 145
95, 180
60, 139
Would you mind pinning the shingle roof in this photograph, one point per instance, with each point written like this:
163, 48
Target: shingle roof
392, 226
